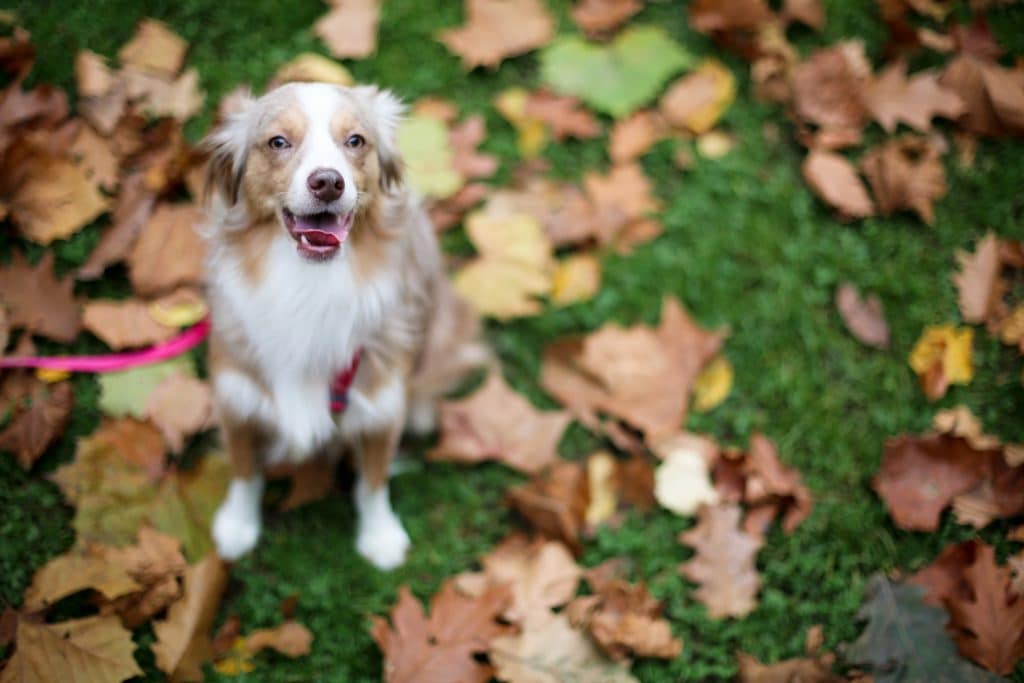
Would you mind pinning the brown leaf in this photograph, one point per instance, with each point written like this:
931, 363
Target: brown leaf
136, 441
993, 96
448, 212
834, 179
312, 480
864, 318
626, 621
999, 494
808, 12
465, 137
554, 502
541, 575
944, 578
37, 301
132, 210
495, 423
725, 563
169, 252
697, 100
564, 115
891, 98
979, 282
124, 324
920, 476
960, 421
799, 670
35, 423
159, 96
154, 47
770, 482
497, 29
633, 136
991, 625
76, 570
441, 647
713, 16
826, 86
93, 77
349, 29
97, 158
89, 649
183, 639
291, 639
180, 406
597, 18
905, 173
54, 200
156, 563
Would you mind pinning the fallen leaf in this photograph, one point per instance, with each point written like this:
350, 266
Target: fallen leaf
124, 324
37, 301
496, 423
186, 501
725, 563
697, 100
291, 639
553, 653
97, 158
429, 157
465, 137
960, 421
601, 489
626, 193
864, 318
625, 621
999, 494
159, 96
93, 78
944, 577
169, 252
576, 278
37, 418
554, 502
599, 17
633, 136
826, 86
563, 115
799, 670
943, 356
979, 282
993, 96
132, 209
310, 67
126, 392
498, 29
906, 635
54, 200
891, 98
834, 179
616, 78
713, 384
441, 647
772, 484
905, 173
682, 482
920, 476
155, 562
183, 638
154, 47
349, 29
713, 16
183, 307
137, 442
990, 625
180, 406
311, 480
531, 132
77, 570
811, 13
93, 648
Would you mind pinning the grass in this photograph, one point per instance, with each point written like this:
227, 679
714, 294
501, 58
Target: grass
745, 244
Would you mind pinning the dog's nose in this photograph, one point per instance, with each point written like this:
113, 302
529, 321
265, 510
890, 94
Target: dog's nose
326, 184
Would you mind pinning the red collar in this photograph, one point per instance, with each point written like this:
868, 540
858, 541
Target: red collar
342, 382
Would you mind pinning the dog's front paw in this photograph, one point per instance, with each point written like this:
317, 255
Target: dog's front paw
235, 531
383, 542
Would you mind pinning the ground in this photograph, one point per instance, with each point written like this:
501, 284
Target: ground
745, 245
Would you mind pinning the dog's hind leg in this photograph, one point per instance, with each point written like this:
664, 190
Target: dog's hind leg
381, 539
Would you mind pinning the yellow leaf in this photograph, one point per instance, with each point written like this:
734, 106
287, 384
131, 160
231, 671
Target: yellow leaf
601, 480
696, 101
237, 660
181, 313
52, 376
429, 157
502, 289
943, 356
532, 133
576, 278
311, 67
510, 237
713, 384
714, 144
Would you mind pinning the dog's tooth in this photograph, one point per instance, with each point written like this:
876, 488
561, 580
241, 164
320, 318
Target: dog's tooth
304, 240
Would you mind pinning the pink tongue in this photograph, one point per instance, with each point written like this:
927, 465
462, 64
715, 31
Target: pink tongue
320, 238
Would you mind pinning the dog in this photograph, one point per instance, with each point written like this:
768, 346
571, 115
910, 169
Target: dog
326, 290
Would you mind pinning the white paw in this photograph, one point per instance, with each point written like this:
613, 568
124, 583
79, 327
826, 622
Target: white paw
383, 542
422, 417
235, 531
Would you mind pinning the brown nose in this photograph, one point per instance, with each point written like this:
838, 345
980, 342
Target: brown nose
326, 184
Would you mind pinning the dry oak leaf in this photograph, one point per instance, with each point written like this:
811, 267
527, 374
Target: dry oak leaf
93, 77
576, 278
180, 406
137, 441
37, 301
183, 638
155, 562
826, 86
905, 173
715, 16
497, 29
944, 578
124, 324
555, 502
943, 356
863, 317
599, 17
834, 179
624, 188
999, 494
725, 563
920, 476
771, 482
132, 210
311, 480
169, 252
76, 570
154, 47
625, 620
960, 421
891, 98
554, 653
442, 647
541, 575
349, 29
990, 627
993, 96
697, 100
157, 96
38, 417
54, 200
291, 639
564, 115
808, 12
89, 649
96, 156
800, 670
633, 136
496, 423
979, 282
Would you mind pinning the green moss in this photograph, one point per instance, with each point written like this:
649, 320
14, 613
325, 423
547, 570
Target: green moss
745, 244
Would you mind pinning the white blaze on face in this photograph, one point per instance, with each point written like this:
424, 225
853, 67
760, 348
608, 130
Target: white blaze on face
319, 103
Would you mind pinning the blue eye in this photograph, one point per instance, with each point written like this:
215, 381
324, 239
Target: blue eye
279, 142
355, 141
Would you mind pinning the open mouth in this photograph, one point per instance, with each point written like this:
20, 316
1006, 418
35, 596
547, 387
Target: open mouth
318, 235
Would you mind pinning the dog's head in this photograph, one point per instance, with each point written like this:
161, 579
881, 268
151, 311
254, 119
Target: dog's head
311, 155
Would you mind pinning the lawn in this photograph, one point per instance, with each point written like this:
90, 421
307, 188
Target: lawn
746, 244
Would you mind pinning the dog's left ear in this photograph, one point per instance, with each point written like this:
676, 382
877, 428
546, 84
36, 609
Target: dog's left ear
387, 111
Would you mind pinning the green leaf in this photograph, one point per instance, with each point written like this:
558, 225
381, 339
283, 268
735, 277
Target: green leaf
125, 393
616, 78
905, 639
429, 157
186, 503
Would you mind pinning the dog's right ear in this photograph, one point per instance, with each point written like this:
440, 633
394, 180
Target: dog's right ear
227, 148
